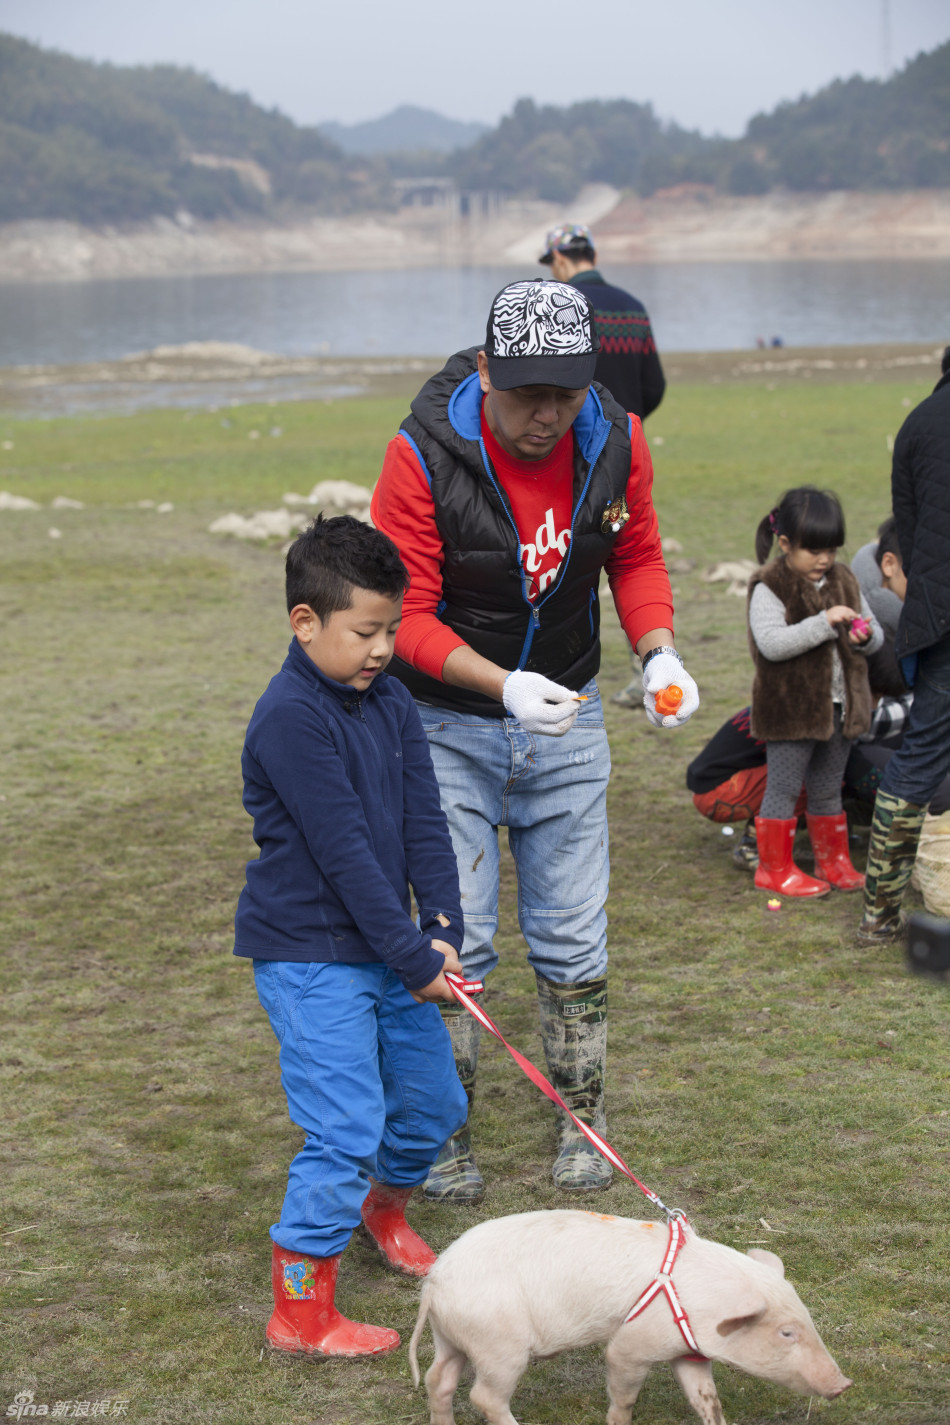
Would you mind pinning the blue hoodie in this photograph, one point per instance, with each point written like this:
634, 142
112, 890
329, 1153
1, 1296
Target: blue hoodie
347, 815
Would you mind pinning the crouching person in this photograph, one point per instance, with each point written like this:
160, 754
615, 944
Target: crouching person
339, 781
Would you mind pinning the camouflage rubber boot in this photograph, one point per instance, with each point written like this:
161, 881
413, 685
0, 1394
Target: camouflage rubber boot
746, 852
895, 832
574, 1034
454, 1175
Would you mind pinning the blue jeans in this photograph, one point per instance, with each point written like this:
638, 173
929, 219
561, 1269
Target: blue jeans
922, 761
551, 793
369, 1077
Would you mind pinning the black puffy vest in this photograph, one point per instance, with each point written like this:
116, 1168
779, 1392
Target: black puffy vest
483, 598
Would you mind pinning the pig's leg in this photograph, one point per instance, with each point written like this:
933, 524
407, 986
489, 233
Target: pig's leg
625, 1376
697, 1384
495, 1381
442, 1379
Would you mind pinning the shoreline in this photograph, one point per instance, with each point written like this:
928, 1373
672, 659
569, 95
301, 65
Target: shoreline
688, 224
218, 374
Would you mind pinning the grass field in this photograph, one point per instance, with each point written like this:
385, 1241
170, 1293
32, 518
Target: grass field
779, 1083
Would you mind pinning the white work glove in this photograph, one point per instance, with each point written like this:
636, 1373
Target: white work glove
659, 673
540, 705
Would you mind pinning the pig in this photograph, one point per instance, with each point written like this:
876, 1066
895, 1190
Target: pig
537, 1283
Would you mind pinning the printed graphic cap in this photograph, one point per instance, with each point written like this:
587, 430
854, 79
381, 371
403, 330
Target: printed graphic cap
569, 238
540, 333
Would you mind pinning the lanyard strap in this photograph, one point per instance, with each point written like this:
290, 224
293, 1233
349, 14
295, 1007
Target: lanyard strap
679, 1227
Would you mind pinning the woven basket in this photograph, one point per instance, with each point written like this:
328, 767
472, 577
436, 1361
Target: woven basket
932, 867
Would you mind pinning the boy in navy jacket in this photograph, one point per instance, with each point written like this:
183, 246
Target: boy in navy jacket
339, 781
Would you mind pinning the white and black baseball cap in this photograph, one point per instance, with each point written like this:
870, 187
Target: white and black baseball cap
540, 333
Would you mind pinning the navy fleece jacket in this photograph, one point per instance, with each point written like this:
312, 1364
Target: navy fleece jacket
347, 815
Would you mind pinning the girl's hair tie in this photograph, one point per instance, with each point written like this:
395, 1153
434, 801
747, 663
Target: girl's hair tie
773, 520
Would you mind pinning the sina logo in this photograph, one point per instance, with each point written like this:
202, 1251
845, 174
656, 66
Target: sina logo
22, 1407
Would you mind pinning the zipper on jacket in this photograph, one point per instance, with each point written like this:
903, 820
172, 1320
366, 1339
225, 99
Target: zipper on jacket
535, 606
580, 500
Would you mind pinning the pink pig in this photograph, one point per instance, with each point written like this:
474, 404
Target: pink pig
528, 1286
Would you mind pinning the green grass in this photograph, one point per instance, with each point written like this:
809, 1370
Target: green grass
763, 1067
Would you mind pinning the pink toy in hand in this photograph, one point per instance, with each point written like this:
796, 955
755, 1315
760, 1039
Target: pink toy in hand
860, 627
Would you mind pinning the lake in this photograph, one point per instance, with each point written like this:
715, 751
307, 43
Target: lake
433, 311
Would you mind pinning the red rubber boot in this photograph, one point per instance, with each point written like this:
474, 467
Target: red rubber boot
829, 838
384, 1217
777, 871
305, 1318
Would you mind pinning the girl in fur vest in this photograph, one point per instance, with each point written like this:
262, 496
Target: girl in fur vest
810, 697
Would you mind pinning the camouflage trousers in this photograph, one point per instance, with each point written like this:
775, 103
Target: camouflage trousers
895, 832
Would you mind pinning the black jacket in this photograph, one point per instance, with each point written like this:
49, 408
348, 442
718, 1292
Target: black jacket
483, 592
628, 363
920, 490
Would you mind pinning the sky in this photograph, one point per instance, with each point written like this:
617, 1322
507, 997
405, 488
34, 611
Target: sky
705, 64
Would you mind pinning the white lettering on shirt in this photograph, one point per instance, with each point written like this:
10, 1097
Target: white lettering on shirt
547, 542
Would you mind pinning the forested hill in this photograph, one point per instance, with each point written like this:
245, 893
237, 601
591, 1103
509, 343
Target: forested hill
103, 144
862, 133
855, 133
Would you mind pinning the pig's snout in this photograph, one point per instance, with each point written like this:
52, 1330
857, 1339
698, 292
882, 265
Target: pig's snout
837, 1389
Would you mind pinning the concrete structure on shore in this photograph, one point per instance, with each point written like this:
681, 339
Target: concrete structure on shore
689, 224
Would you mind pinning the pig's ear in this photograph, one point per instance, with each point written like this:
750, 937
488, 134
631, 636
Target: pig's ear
768, 1259
749, 1306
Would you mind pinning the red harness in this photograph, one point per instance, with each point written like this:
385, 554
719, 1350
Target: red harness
679, 1227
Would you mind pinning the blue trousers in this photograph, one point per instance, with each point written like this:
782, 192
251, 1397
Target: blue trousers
922, 761
369, 1077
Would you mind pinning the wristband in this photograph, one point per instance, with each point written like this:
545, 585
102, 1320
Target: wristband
661, 648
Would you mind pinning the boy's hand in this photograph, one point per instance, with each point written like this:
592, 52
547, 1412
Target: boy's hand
439, 987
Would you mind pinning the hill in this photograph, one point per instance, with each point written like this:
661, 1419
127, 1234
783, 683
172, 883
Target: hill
407, 129
861, 133
98, 143
854, 134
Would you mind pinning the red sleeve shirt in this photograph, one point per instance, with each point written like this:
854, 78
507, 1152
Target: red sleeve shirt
540, 499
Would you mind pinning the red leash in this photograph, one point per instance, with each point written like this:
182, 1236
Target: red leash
679, 1227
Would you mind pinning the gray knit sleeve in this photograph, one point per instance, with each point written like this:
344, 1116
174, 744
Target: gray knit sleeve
877, 633
777, 640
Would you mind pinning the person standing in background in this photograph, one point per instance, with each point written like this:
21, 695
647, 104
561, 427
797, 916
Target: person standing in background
628, 363
920, 489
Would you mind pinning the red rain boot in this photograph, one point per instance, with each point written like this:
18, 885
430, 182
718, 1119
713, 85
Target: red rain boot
829, 838
305, 1318
384, 1217
777, 871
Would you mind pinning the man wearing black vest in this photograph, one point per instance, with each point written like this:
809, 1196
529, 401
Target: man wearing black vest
628, 363
510, 487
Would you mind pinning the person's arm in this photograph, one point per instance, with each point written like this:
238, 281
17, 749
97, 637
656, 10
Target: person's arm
640, 585
433, 870
653, 381
402, 507
297, 756
777, 640
636, 570
904, 498
876, 639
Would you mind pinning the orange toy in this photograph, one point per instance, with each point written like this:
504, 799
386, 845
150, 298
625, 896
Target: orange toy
667, 700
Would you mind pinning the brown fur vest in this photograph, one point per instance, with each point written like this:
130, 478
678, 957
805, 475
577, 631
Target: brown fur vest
791, 699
